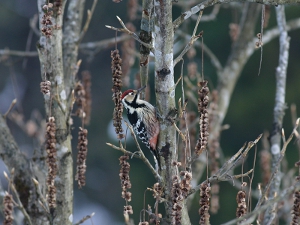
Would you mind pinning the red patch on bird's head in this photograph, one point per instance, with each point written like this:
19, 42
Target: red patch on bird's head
126, 93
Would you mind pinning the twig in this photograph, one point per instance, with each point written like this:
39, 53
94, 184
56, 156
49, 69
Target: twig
192, 40
279, 108
139, 156
242, 175
40, 196
223, 173
126, 30
20, 205
84, 219
282, 153
211, 16
87, 22
250, 217
214, 60
12, 104
18, 53
207, 3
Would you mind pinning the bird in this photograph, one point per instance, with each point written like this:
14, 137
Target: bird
142, 116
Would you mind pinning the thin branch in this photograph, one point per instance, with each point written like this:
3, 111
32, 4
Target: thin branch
41, 198
214, 60
18, 53
132, 34
207, 3
87, 22
192, 40
103, 44
32, 23
84, 219
16, 194
223, 173
139, 154
250, 217
279, 108
212, 16
12, 104
282, 153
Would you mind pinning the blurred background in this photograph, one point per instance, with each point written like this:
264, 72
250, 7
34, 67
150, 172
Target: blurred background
250, 112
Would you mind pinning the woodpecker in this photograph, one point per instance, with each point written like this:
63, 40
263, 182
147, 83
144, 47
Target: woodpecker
142, 116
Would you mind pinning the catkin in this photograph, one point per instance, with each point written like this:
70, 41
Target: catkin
51, 161
81, 157
116, 89
203, 101
204, 203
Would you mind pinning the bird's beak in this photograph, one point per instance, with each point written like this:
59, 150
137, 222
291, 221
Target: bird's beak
140, 89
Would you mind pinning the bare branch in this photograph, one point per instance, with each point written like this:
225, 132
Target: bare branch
87, 22
5, 52
84, 219
132, 34
139, 156
278, 109
207, 3
16, 194
192, 40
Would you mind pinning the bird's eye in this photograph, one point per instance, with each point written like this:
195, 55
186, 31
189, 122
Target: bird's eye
131, 93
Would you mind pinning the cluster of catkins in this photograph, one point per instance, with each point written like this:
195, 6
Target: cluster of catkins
52, 161
265, 165
204, 203
203, 101
8, 209
81, 156
185, 183
177, 199
58, 6
296, 205
80, 100
45, 87
125, 184
116, 89
259, 43
214, 154
46, 20
86, 81
241, 202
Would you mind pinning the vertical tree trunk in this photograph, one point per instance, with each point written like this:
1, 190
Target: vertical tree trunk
59, 106
165, 97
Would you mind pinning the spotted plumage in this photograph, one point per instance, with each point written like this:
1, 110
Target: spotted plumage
142, 116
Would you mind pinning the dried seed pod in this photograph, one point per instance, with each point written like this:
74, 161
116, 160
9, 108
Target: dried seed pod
45, 87
80, 95
177, 199
86, 80
132, 7
51, 161
157, 190
124, 177
8, 209
234, 31
58, 7
144, 223
203, 101
241, 202
265, 166
204, 203
81, 156
46, 28
116, 89
185, 183
296, 208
